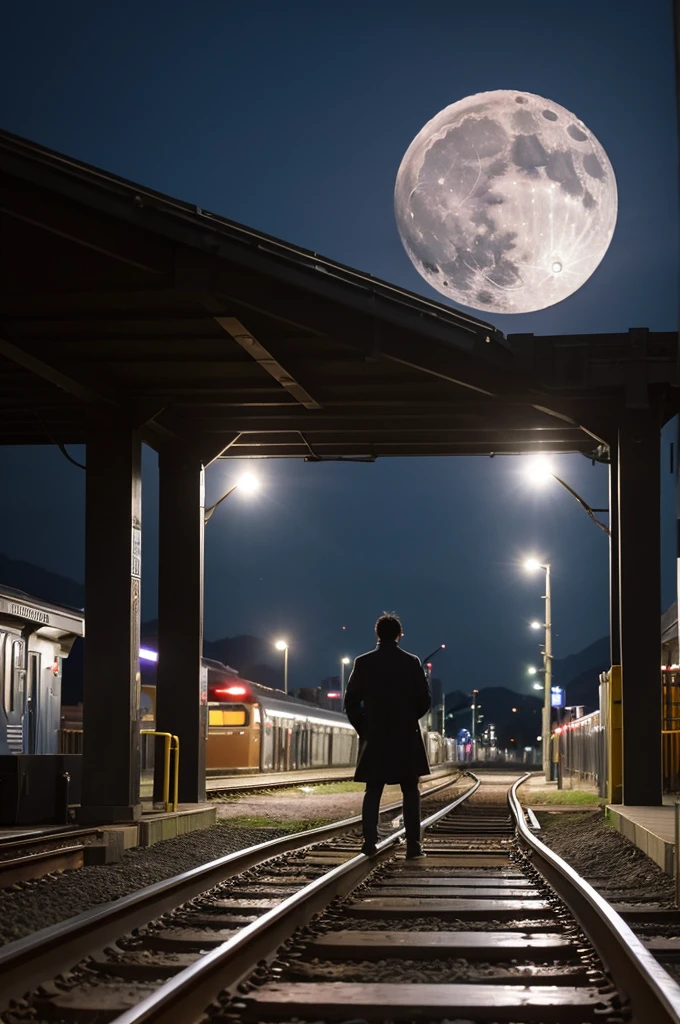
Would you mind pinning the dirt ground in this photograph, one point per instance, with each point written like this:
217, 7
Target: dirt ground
311, 804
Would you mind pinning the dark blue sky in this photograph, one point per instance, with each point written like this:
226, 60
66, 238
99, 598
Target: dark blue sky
293, 118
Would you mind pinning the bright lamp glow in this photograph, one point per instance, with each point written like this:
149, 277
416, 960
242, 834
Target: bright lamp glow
148, 655
280, 645
532, 564
537, 686
532, 671
248, 483
345, 661
538, 470
535, 625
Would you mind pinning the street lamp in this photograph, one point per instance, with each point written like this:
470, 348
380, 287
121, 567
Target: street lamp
343, 662
531, 565
474, 706
247, 483
281, 645
539, 471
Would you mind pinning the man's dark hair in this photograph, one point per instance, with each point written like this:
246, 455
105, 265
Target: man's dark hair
388, 627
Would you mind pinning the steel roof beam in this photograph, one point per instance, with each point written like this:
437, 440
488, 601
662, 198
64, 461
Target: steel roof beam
235, 329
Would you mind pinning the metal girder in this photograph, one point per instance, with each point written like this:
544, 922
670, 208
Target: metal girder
235, 329
86, 393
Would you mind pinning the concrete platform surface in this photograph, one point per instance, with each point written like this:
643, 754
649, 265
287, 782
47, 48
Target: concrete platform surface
652, 829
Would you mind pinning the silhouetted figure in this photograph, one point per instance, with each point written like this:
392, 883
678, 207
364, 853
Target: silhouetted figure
387, 693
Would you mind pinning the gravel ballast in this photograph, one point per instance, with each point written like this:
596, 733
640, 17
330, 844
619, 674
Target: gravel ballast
603, 856
30, 906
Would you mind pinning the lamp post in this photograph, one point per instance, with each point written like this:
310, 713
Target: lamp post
532, 564
473, 737
343, 662
281, 645
540, 471
247, 483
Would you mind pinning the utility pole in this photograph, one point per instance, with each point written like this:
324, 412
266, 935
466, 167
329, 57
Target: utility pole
474, 724
547, 665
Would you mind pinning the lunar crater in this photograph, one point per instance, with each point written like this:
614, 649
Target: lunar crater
489, 199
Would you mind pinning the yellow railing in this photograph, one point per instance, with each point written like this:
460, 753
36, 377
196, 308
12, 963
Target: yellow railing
171, 743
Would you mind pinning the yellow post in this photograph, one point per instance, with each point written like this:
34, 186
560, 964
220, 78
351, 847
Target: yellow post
168, 737
175, 803
615, 738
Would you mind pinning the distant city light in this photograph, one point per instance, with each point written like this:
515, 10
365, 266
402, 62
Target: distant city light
147, 655
514, 709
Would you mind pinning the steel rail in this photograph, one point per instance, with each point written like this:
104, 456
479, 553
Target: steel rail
185, 996
27, 962
244, 785
654, 996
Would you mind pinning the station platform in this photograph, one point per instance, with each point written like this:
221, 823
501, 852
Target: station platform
652, 829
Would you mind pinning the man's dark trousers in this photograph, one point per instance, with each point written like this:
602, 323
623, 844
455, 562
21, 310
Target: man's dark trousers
411, 808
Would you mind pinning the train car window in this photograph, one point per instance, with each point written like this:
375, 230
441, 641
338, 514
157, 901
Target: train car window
234, 715
18, 676
4, 690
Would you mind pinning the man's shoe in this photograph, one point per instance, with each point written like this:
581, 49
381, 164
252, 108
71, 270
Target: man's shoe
369, 849
413, 851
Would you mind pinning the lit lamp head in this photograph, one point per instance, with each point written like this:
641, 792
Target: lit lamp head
532, 564
281, 645
345, 661
248, 483
537, 686
532, 671
539, 471
535, 625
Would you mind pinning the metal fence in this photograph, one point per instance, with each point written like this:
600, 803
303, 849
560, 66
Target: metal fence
582, 752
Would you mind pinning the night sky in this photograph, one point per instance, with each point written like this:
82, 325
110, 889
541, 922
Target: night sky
293, 118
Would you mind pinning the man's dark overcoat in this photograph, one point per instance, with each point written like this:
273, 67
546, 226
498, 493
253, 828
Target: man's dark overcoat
386, 694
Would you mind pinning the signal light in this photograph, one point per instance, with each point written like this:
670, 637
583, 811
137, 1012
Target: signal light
333, 694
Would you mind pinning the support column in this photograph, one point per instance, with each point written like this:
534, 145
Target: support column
614, 575
111, 689
181, 702
640, 603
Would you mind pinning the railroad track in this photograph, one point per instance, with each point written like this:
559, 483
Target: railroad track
29, 855
492, 926
285, 780
27, 963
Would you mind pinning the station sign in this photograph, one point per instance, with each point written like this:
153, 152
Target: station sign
556, 697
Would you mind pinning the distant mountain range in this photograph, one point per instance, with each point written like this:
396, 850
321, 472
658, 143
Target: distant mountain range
578, 673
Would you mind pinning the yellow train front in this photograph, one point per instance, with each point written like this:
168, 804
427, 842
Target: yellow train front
253, 727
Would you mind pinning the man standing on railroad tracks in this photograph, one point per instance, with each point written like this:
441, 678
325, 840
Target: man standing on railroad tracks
387, 694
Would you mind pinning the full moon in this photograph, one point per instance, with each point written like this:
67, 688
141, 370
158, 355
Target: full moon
505, 202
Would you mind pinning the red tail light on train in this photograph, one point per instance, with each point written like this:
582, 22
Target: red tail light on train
233, 691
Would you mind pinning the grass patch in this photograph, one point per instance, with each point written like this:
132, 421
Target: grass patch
563, 797
262, 821
349, 786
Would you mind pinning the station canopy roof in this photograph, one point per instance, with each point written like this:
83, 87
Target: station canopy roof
122, 305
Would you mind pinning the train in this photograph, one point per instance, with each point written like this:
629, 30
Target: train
251, 726
35, 638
